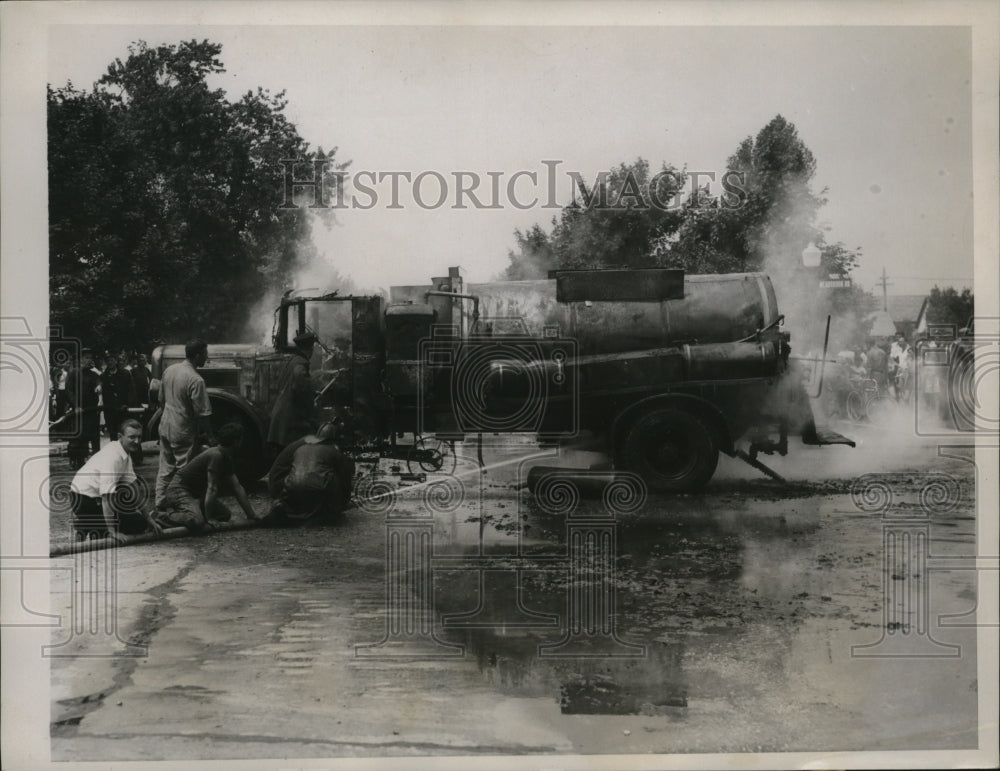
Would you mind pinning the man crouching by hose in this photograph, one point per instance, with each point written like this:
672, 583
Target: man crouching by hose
311, 479
104, 496
192, 499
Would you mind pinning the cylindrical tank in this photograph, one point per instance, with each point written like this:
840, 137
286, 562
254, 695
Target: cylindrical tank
718, 361
715, 309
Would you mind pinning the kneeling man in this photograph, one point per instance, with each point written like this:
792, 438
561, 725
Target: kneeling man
192, 498
104, 495
311, 478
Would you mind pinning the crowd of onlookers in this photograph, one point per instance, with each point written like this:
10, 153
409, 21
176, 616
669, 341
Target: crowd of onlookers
889, 365
887, 368
117, 386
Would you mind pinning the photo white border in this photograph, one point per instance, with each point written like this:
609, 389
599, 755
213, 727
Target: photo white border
24, 292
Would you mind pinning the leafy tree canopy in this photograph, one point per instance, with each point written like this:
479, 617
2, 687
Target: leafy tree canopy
613, 223
771, 218
949, 306
164, 195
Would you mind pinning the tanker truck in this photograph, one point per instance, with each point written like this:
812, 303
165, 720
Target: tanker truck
661, 370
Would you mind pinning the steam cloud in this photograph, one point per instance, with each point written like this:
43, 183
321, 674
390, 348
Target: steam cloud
314, 271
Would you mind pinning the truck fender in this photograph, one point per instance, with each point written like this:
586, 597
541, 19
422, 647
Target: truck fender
153, 394
708, 412
152, 432
241, 405
215, 395
251, 458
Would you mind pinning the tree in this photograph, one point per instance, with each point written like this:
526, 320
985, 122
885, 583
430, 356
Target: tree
949, 306
535, 256
164, 196
771, 218
765, 226
615, 223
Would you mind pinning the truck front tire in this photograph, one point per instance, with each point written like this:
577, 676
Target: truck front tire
672, 450
250, 460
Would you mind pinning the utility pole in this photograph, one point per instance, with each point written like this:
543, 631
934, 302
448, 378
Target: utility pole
885, 295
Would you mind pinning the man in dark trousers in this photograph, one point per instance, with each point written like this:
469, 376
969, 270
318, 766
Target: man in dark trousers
103, 495
117, 393
310, 478
192, 499
292, 414
140, 380
878, 367
82, 397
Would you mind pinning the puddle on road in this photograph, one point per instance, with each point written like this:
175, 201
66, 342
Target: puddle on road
652, 683
546, 611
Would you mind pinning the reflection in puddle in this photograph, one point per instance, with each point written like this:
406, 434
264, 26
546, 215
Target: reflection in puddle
603, 614
604, 696
653, 684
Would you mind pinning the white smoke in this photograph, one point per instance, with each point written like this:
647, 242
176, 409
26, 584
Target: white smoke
317, 273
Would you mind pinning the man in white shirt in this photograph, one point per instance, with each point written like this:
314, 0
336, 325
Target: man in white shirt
904, 374
103, 494
895, 351
186, 410
61, 401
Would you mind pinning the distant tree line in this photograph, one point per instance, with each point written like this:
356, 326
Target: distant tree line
949, 306
163, 201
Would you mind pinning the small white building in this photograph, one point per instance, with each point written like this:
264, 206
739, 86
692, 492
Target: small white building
906, 313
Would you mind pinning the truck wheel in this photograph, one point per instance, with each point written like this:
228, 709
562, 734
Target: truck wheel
670, 449
249, 460
856, 406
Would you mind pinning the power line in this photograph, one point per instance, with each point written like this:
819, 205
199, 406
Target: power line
934, 278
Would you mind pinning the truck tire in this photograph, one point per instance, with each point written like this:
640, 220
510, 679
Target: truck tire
249, 459
672, 450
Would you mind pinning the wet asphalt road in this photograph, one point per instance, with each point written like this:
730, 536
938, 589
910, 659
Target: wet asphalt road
471, 619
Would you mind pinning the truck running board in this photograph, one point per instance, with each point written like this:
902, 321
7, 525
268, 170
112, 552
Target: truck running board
819, 435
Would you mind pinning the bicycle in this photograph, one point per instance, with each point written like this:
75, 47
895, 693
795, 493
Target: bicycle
904, 385
863, 400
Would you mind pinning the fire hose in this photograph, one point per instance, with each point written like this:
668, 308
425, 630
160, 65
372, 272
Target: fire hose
97, 544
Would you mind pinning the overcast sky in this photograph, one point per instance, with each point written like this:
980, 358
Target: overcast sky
885, 110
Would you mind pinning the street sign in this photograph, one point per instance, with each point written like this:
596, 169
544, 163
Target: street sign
942, 331
835, 283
